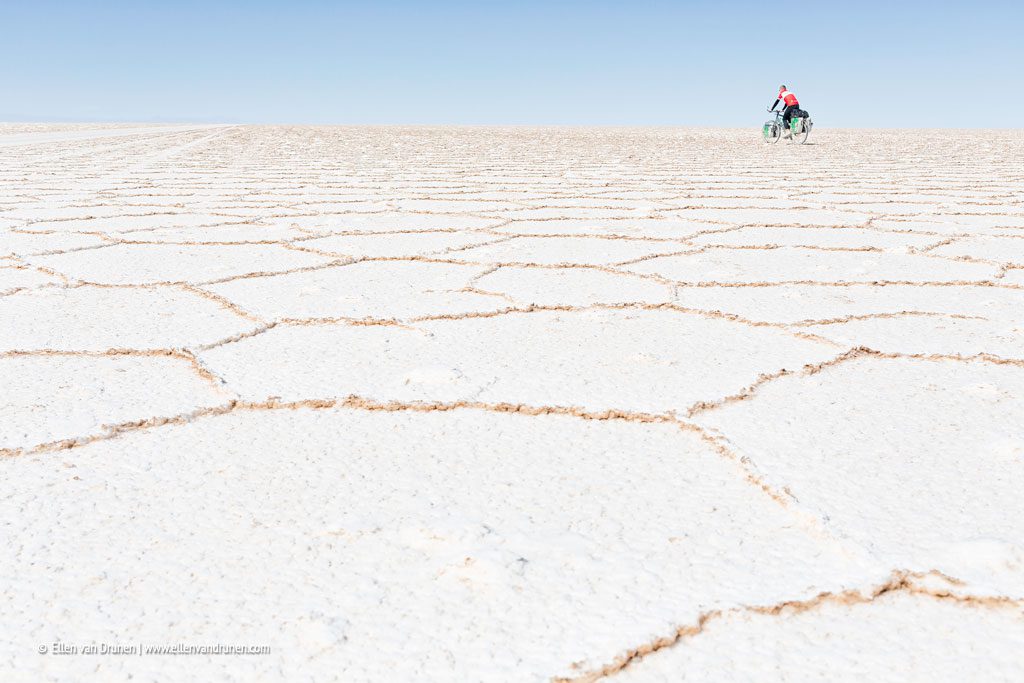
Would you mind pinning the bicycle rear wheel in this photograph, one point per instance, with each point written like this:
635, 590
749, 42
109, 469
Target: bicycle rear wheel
805, 130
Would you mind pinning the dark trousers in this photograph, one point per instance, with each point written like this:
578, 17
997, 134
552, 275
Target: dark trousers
787, 113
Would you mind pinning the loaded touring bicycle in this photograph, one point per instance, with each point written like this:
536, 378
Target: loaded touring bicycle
798, 130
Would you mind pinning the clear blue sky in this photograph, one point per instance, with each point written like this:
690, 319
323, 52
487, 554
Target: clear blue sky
554, 62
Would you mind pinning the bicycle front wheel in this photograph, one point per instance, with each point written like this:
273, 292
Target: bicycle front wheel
772, 132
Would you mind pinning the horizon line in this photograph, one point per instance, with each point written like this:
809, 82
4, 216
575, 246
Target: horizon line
198, 122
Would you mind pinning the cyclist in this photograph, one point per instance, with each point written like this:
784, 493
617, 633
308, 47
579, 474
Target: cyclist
790, 102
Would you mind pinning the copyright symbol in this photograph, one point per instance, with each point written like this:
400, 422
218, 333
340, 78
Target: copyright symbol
43, 649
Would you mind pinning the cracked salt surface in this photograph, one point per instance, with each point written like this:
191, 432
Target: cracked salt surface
48, 400
848, 238
790, 264
936, 639
895, 475
97, 319
17, 278
144, 264
566, 404
644, 360
809, 303
397, 244
546, 563
369, 289
572, 286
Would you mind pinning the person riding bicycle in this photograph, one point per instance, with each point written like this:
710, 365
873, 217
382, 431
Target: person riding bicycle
790, 102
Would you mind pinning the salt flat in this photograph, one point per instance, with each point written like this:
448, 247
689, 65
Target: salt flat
470, 404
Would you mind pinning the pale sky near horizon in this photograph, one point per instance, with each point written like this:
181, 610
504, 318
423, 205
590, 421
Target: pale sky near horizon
560, 62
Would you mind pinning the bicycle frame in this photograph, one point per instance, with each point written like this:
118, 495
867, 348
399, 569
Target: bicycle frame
803, 127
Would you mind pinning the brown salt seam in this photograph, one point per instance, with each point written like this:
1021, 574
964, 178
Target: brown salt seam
881, 316
513, 310
808, 247
709, 313
221, 301
355, 402
852, 354
850, 283
393, 406
899, 581
238, 337
942, 243
484, 292
361, 403
181, 354
51, 272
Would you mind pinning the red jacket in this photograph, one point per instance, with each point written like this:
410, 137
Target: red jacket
789, 98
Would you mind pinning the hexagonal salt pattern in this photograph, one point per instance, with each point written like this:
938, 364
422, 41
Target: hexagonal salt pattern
452, 404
